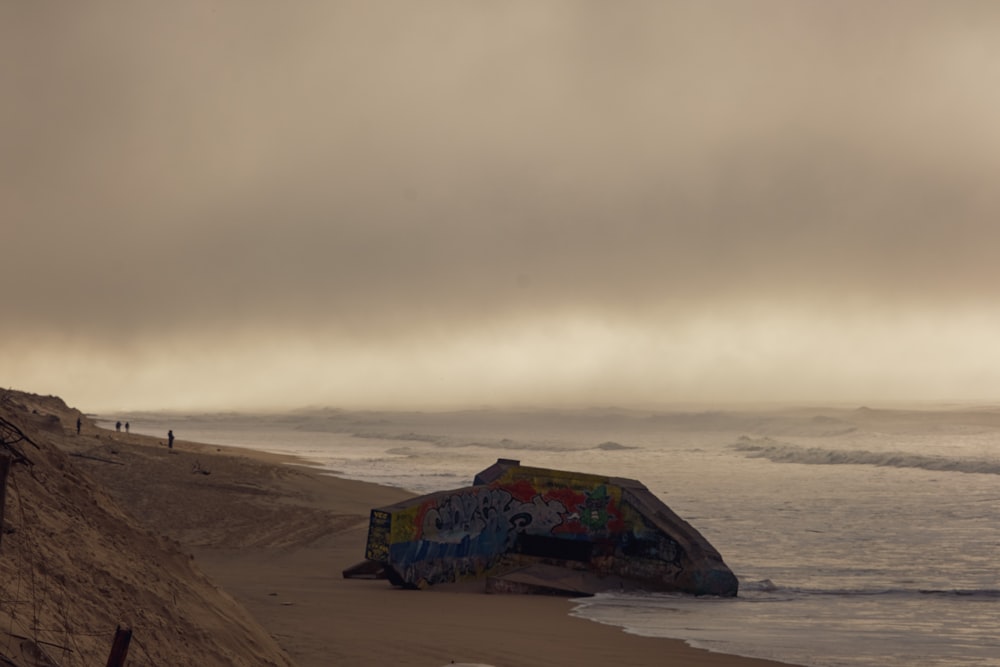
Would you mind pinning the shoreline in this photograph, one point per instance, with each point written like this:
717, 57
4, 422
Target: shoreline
275, 533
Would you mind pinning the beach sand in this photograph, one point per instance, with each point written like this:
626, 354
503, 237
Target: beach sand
276, 535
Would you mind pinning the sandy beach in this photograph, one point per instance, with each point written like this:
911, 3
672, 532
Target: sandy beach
277, 535
226, 556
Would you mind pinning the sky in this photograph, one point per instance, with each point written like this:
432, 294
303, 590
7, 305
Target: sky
244, 204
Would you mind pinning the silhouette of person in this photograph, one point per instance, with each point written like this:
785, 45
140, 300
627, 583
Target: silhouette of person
126, 427
170, 439
78, 425
118, 426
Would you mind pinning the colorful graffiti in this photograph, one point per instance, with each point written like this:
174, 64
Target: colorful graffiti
494, 512
531, 513
378, 536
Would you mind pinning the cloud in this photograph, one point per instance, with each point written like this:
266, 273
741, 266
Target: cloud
390, 176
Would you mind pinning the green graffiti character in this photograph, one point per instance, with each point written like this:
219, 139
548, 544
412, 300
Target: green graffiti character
594, 512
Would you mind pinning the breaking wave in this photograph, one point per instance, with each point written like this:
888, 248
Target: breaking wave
766, 592
779, 452
504, 443
766, 586
409, 437
521, 445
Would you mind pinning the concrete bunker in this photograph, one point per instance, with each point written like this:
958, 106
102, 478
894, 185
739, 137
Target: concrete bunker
520, 529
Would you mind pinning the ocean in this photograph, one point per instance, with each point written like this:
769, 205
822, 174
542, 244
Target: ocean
860, 536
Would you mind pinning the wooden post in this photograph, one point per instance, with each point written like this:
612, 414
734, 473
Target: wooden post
4, 469
119, 649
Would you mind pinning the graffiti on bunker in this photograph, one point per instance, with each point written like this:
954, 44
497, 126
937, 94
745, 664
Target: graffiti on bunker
473, 527
497, 515
610, 527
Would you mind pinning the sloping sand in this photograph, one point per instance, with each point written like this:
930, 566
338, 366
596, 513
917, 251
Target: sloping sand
74, 565
276, 536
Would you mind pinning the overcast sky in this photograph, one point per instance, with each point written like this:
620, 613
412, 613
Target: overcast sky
242, 204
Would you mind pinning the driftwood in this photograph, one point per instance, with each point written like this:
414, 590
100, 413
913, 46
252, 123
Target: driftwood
10, 435
4, 469
119, 649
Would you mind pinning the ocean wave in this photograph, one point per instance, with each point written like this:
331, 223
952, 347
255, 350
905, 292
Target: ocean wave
521, 445
768, 591
766, 587
780, 452
503, 443
960, 592
611, 446
401, 451
409, 437
420, 475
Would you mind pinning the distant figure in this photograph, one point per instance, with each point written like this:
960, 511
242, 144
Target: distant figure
126, 427
118, 426
170, 439
78, 425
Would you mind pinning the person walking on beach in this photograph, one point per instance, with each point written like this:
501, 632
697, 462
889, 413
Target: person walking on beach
118, 426
126, 427
170, 439
78, 425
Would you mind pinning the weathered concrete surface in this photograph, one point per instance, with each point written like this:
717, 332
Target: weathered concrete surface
602, 532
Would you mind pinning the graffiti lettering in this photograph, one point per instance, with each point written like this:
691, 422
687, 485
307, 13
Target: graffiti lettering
490, 517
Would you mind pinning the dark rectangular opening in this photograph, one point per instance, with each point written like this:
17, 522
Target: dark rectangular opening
544, 546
